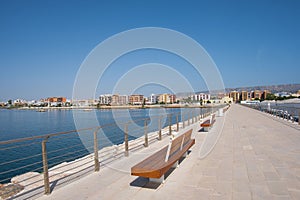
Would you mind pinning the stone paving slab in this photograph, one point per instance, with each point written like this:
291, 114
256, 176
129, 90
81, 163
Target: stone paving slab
256, 157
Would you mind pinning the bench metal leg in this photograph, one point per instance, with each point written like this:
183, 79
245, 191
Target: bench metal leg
185, 154
158, 180
175, 164
206, 129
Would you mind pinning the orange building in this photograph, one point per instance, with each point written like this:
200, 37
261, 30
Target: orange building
265, 93
257, 94
136, 99
234, 95
56, 99
244, 96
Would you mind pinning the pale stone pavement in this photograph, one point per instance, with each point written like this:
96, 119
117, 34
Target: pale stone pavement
256, 157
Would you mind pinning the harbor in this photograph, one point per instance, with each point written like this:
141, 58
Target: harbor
64, 150
255, 157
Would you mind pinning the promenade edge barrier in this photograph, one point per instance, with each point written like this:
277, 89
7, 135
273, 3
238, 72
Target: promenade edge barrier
47, 167
289, 113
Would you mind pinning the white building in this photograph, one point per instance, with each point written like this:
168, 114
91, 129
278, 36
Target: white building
105, 99
198, 97
153, 99
84, 102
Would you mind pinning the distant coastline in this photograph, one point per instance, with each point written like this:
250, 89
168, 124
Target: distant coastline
87, 108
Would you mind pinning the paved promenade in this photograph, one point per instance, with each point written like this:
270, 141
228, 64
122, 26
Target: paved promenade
256, 157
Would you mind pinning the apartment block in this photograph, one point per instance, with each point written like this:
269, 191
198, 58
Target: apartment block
56, 99
153, 99
198, 97
244, 96
105, 99
234, 95
167, 98
136, 99
119, 99
265, 93
257, 94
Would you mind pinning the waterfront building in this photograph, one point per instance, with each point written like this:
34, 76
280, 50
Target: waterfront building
257, 94
119, 99
105, 99
136, 99
56, 99
265, 94
85, 102
123, 99
244, 95
172, 98
153, 99
115, 99
234, 95
19, 102
197, 97
249, 96
79, 103
167, 98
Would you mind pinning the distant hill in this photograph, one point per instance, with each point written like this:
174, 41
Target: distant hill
273, 88
293, 88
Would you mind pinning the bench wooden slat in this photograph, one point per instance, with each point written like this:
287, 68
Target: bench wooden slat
176, 145
209, 122
187, 137
160, 168
155, 166
206, 123
153, 160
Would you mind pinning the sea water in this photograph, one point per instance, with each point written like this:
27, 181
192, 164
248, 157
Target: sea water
22, 157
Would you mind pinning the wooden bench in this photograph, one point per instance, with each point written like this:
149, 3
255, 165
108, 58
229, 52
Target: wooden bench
155, 166
207, 124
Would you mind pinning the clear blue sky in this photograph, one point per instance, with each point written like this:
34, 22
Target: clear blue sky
43, 43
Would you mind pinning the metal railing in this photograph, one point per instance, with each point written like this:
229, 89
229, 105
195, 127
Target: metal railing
56, 156
289, 113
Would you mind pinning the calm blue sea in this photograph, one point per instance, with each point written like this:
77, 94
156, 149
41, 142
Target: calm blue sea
18, 158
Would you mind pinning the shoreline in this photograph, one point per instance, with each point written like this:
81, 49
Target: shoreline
89, 108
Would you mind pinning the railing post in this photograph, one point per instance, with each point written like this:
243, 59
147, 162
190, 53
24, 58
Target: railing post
45, 167
299, 118
182, 118
96, 156
146, 133
159, 128
126, 140
170, 128
201, 113
177, 123
189, 115
192, 113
